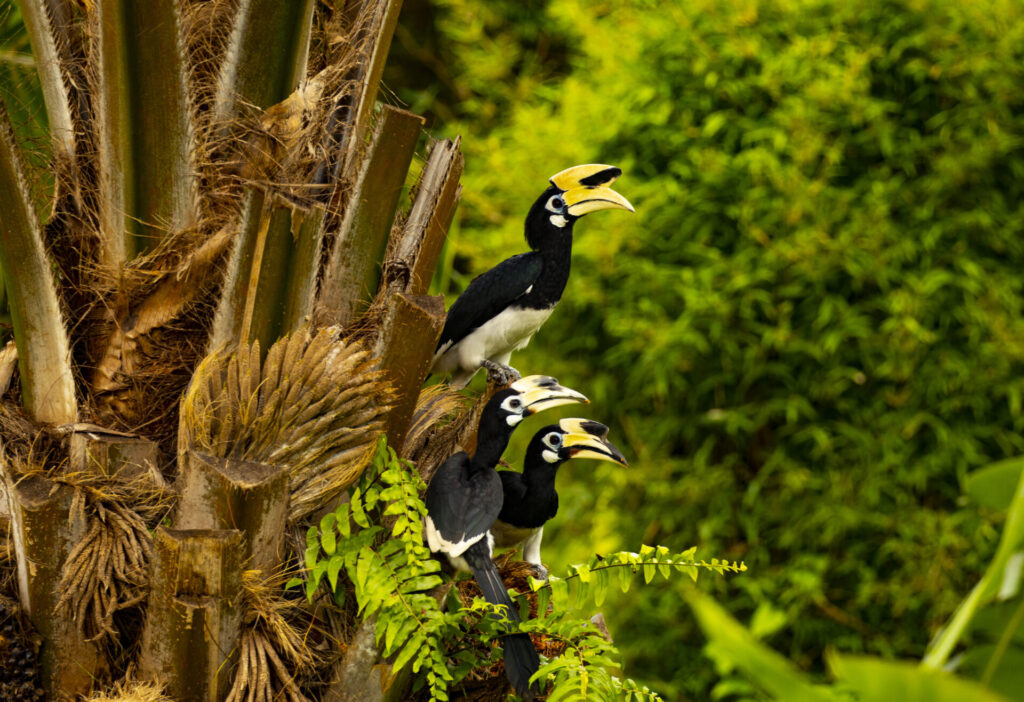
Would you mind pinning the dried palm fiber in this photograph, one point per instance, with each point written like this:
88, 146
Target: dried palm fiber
285, 150
436, 407
108, 570
130, 691
442, 425
170, 285
315, 406
273, 650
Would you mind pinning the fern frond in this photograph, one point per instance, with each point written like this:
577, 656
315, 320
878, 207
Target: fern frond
592, 579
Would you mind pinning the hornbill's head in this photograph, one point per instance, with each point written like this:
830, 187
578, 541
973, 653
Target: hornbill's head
575, 438
527, 396
573, 193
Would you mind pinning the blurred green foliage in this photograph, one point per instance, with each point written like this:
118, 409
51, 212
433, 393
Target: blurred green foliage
811, 330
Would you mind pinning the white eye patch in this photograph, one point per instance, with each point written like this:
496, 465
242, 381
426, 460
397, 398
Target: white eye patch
512, 404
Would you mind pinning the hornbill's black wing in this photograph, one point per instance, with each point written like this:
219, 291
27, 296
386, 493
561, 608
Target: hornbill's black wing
462, 504
488, 294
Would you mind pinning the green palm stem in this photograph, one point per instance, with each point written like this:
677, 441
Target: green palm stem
147, 185
43, 20
264, 63
44, 365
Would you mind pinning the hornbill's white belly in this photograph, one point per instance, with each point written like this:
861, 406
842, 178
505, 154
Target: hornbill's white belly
506, 535
493, 340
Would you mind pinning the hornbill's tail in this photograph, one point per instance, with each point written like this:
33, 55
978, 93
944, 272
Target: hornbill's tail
521, 659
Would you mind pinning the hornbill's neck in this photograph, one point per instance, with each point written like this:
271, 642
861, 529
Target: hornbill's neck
492, 439
554, 244
539, 481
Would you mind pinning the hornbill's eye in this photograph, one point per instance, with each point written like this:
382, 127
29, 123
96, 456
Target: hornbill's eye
513, 404
556, 203
554, 440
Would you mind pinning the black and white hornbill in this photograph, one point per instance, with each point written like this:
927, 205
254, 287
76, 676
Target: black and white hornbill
530, 499
465, 496
503, 308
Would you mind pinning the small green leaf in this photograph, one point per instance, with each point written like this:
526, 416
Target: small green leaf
410, 650
543, 599
334, 566
328, 541
559, 591
600, 586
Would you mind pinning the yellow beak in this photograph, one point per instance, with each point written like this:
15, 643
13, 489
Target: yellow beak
544, 392
584, 199
587, 439
586, 189
541, 392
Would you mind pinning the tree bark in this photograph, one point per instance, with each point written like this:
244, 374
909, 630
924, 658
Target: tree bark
223, 493
44, 534
190, 640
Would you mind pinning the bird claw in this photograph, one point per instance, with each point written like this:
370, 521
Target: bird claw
499, 374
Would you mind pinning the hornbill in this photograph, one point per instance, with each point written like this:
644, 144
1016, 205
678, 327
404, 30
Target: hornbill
503, 308
464, 498
530, 499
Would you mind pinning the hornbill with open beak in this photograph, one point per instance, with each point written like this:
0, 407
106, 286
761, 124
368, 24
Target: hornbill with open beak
530, 499
465, 496
501, 310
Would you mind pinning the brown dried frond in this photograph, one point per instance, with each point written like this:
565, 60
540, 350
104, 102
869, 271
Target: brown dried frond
145, 399
131, 691
273, 650
25, 442
108, 569
315, 405
167, 283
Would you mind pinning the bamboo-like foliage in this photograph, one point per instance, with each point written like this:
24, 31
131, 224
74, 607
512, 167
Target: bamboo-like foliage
315, 406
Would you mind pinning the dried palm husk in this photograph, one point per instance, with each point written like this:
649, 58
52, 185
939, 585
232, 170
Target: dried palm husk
315, 406
131, 691
272, 650
444, 422
108, 570
437, 407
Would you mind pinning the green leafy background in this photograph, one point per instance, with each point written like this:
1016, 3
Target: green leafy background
811, 330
